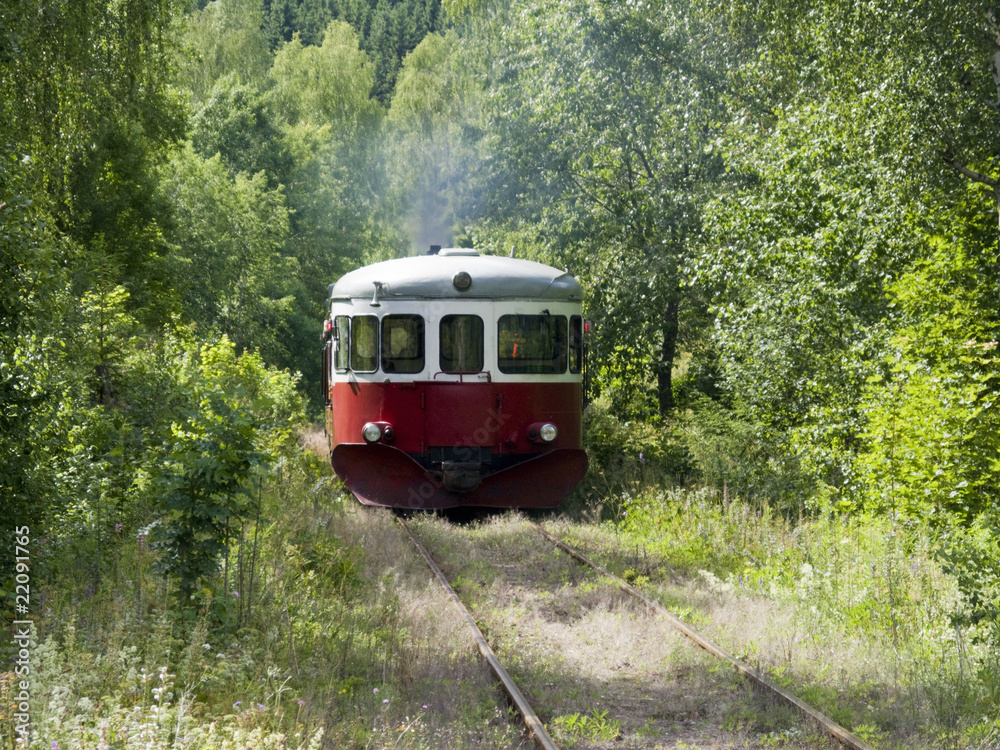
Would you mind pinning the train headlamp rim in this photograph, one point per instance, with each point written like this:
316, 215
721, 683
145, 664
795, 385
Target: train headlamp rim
371, 432
548, 432
461, 280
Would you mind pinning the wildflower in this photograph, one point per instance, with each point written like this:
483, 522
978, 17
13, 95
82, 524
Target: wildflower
118, 528
375, 691
237, 704
301, 703
261, 707
385, 700
206, 646
236, 594
55, 745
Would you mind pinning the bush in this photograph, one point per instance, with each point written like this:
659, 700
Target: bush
740, 457
627, 455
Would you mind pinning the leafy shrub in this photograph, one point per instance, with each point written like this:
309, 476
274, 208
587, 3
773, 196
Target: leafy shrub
626, 455
233, 419
740, 457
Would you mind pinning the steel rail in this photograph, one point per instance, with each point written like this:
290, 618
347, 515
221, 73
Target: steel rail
535, 727
829, 725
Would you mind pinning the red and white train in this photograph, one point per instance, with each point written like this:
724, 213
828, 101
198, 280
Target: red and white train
455, 379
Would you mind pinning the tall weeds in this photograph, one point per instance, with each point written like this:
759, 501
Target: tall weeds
880, 591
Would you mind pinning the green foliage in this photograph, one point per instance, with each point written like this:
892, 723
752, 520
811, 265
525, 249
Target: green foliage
223, 40
205, 485
625, 456
232, 420
800, 260
599, 120
387, 31
235, 123
737, 456
229, 234
329, 84
595, 726
33, 386
932, 437
85, 94
838, 142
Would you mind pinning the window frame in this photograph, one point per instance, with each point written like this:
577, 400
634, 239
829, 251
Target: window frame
558, 364
384, 357
342, 348
482, 344
355, 338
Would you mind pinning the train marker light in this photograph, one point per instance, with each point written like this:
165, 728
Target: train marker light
462, 280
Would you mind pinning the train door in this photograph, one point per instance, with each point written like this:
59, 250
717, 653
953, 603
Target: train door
462, 418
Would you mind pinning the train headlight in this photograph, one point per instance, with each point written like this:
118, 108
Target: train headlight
371, 432
542, 432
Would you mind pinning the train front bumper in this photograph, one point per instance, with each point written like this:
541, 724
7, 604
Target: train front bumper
380, 474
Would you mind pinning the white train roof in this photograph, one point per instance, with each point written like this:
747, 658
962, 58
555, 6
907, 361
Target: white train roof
433, 277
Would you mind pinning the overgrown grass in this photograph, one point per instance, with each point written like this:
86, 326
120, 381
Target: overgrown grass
320, 631
323, 629
881, 633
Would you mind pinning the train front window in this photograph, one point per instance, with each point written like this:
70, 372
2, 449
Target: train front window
402, 343
364, 343
342, 343
461, 343
532, 344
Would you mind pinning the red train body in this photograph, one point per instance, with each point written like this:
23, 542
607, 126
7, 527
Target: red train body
455, 379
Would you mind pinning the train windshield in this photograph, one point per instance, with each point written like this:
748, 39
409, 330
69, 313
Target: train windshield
402, 343
534, 344
461, 343
364, 343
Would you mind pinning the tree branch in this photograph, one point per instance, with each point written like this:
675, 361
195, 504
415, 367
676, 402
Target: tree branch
973, 175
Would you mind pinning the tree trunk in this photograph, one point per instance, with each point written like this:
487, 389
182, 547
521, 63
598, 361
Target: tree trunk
665, 365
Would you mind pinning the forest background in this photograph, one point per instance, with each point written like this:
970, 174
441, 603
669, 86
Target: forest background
785, 216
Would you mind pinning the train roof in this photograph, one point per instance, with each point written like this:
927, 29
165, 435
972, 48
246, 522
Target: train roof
435, 277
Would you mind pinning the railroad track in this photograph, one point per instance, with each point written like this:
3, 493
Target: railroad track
535, 727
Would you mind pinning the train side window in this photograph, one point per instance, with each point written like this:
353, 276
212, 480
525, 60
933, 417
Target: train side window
575, 344
364, 343
402, 343
534, 344
342, 343
461, 343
